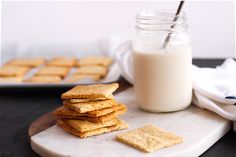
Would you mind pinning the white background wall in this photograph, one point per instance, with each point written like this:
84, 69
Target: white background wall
24, 24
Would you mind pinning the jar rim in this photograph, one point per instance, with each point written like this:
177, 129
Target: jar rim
155, 14
153, 20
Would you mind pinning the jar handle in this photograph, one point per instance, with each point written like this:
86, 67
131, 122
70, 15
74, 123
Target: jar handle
124, 58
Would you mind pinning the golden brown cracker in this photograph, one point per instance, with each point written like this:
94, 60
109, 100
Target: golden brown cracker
62, 62
90, 106
104, 118
122, 125
79, 77
66, 112
91, 91
8, 71
92, 70
100, 119
11, 79
53, 71
149, 138
44, 79
83, 126
102, 61
105, 111
87, 100
33, 62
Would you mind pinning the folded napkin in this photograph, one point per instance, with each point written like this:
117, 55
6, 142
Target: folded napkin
213, 88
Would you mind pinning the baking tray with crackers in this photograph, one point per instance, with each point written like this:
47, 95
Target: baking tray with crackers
58, 71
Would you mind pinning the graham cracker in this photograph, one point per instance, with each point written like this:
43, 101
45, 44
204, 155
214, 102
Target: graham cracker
149, 138
91, 91
105, 111
90, 106
66, 112
53, 71
100, 119
62, 62
120, 126
87, 100
84, 126
92, 70
33, 62
9, 71
79, 77
44, 79
11, 79
101, 61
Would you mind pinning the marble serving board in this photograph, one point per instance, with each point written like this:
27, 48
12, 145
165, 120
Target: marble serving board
199, 128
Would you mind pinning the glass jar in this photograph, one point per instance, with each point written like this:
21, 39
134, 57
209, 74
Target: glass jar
162, 62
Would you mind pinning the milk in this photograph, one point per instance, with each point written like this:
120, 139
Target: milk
162, 80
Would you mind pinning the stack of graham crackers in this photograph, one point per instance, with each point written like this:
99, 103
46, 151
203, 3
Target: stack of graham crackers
90, 110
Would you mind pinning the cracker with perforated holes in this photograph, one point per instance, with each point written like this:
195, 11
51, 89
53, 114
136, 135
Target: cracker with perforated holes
91, 91
149, 138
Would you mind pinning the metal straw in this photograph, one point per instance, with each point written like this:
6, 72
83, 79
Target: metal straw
172, 26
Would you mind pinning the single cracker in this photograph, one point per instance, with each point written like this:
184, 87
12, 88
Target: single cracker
102, 61
84, 126
53, 71
92, 70
62, 62
100, 119
90, 106
11, 79
105, 111
88, 100
44, 79
120, 126
66, 112
91, 91
79, 77
34, 62
9, 71
149, 138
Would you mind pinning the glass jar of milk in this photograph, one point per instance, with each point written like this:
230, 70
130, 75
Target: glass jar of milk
162, 62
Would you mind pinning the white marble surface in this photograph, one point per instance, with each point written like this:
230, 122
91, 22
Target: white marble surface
199, 128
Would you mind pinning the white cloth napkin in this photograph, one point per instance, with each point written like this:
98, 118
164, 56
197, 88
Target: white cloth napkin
211, 86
